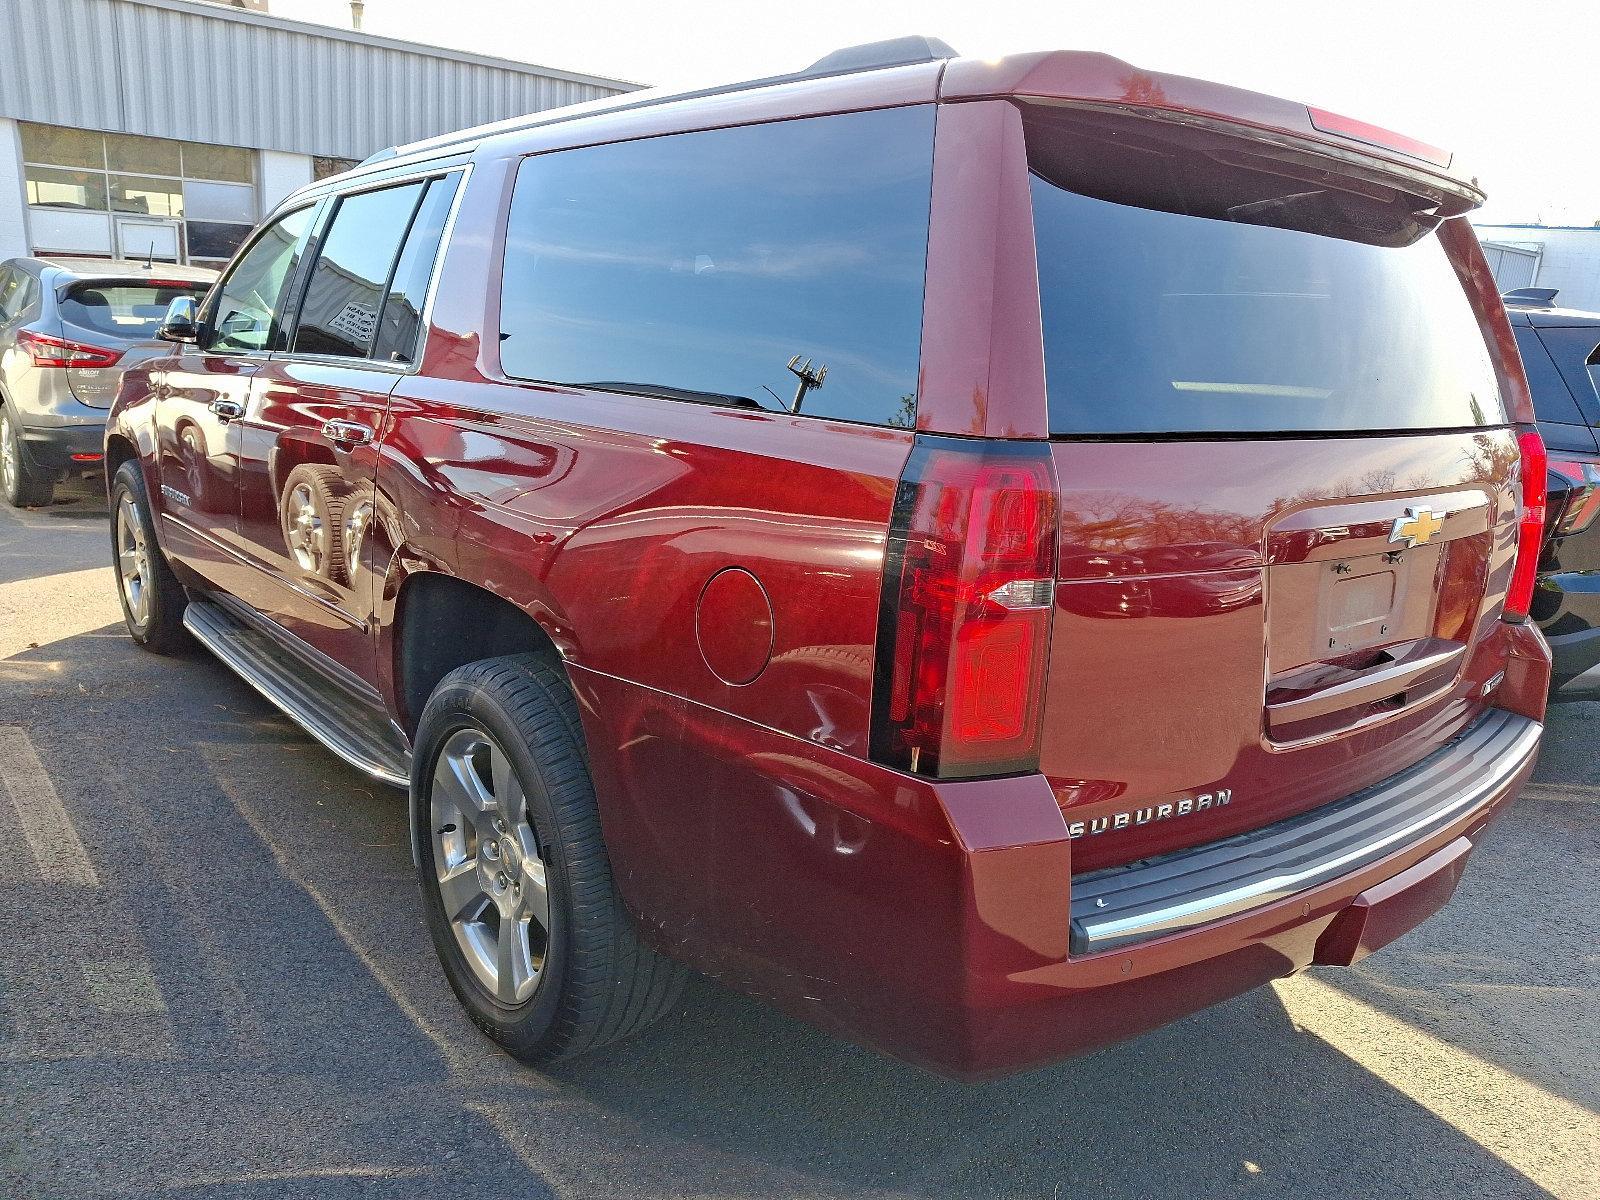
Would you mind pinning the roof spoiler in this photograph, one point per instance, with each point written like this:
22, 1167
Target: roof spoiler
1532, 297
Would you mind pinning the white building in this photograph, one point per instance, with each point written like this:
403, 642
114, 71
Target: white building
169, 127
1564, 257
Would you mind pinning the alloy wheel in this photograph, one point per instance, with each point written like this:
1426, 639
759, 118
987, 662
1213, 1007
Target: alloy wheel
8, 454
490, 873
133, 560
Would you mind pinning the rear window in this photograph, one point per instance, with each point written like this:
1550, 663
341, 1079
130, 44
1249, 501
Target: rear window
131, 311
1195, 283
776, 266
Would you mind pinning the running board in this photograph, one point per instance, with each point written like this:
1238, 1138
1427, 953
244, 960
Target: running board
347, 721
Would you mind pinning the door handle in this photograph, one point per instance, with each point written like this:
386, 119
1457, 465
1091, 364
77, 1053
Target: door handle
227, 409
347, 433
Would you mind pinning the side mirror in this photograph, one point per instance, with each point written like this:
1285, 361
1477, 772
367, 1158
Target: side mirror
182, 322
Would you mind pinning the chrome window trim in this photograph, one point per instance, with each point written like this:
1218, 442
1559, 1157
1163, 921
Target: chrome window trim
425, 317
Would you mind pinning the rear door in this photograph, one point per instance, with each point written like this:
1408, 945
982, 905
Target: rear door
1285, 468
308, 441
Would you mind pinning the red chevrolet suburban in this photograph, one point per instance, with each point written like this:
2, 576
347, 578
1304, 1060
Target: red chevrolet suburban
988, 556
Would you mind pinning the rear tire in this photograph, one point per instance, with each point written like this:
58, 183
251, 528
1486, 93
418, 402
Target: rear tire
22, 484
501, 793
152, 598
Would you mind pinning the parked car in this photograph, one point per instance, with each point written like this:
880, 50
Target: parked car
68, 329
989, 556
1561, 353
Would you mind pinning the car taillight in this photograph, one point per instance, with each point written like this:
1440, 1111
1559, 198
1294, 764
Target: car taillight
1582, 499
47, 351
1530, 524
964, 628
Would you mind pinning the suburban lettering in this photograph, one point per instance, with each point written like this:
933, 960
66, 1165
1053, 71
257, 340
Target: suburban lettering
1181, 807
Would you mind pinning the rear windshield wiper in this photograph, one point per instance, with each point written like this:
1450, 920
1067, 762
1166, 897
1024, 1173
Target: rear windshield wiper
662, 392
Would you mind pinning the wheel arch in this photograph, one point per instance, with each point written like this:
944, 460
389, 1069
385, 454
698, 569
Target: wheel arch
481, 624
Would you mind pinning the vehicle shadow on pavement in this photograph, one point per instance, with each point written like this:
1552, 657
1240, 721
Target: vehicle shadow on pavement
306, 1034
1508, 969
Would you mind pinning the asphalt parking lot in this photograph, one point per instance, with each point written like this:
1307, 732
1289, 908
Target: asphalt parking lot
215, 982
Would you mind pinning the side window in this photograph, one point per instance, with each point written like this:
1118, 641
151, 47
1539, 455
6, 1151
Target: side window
402, 310
11, 292
1575, 350
250, 298
775, 266
1551, 400
339, 312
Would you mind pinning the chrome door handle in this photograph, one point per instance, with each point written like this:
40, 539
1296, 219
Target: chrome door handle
227, 409
347, 433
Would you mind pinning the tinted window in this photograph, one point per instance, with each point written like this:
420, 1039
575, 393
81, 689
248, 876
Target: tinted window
123, 311
402, 311
1189, 287
700, 266
13, 293
1551, 400
243, 318
1573, 349
339, 314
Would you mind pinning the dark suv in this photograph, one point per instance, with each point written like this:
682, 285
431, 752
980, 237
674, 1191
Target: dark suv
1561, 353
990, 556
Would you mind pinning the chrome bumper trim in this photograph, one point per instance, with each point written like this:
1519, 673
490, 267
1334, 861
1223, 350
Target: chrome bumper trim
1123, 905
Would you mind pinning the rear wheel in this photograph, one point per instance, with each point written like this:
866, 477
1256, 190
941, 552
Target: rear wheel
152, 598
22, 484
518, 890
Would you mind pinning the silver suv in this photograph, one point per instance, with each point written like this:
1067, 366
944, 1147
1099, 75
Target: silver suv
69, 327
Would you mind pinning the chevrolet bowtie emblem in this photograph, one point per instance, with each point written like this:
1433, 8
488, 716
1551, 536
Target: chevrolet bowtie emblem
1416, 527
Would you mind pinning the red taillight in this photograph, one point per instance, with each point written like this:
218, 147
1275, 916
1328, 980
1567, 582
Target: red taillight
1530, 524
964, 631
47, 351
1582, 499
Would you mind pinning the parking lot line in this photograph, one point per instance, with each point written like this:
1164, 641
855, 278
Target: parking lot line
1565, 793
46, 825
1551, 1141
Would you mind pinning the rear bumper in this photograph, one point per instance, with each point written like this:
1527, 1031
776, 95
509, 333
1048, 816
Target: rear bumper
933, 920
1567, 608
1124, 906
52, 447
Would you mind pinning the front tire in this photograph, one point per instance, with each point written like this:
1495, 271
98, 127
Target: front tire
152, 598
22, 484
516, 884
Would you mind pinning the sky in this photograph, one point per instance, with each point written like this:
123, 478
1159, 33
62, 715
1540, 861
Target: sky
1508, 85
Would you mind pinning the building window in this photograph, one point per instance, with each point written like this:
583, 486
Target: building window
100, 194
323, 167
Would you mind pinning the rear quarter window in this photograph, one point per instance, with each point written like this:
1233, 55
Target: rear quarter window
1575, 351
1193, 286
776, 266
1551, 399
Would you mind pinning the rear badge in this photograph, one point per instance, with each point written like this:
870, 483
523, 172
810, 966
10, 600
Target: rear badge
1416, 527
1112, 822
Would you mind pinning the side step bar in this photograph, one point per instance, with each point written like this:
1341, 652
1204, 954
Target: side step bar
345, 717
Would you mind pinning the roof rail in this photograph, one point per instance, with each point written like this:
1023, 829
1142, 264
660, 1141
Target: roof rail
871, 56
1532, 297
